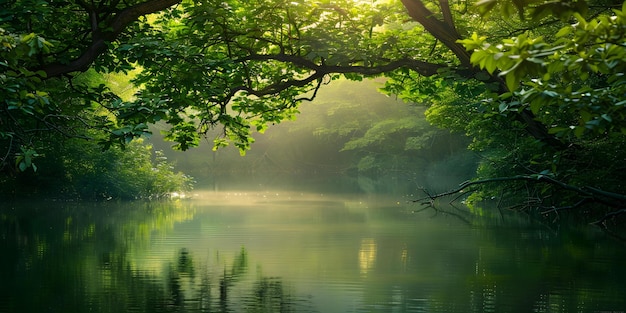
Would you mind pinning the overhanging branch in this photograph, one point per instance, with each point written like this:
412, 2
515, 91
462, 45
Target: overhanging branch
444, 30
616, 202
113, 28
423, 68
318, 71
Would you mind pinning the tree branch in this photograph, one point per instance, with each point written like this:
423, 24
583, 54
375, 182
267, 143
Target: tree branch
447, 14
587, 194
446, 32
113, 29
442, 30
318, 71
424, 68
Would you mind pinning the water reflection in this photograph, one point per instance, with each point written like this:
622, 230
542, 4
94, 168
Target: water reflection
367, 255
295, 252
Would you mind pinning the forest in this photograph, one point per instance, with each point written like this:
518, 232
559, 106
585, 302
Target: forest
534, 89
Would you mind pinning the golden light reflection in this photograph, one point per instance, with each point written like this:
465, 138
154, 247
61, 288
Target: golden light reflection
404, 257
367, 255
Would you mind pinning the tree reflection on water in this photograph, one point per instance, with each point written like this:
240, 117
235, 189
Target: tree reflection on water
88, 265
270, 254
184, 295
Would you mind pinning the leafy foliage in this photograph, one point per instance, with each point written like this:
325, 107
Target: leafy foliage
540, 92
575, 83
382, 135
75, 169
570, 80
256, 58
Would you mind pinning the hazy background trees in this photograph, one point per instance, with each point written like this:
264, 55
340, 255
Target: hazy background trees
350, 130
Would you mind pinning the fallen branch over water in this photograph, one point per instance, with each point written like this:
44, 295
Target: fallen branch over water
587, 195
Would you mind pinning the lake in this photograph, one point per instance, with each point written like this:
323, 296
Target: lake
294, 251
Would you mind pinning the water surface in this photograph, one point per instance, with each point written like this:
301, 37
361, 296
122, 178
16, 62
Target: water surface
279, 251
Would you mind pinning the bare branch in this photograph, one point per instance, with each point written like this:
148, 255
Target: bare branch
586, 194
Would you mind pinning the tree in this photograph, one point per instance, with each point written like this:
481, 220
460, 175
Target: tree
258, 57
244, 65
569, 79
42, 43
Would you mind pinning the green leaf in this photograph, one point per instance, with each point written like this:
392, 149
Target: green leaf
535, 106
490, 64
564, 31
512, 81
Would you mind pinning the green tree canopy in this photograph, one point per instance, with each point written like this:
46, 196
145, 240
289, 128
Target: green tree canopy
539, 85
238, 64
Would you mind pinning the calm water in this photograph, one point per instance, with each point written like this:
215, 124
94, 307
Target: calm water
275, 251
